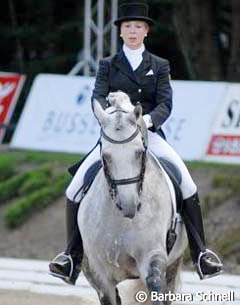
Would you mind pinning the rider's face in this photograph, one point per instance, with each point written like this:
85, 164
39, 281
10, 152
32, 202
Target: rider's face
133, 33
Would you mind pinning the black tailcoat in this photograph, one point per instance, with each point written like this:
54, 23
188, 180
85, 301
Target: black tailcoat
149, 84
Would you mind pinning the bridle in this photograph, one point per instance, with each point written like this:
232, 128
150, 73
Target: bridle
113, 183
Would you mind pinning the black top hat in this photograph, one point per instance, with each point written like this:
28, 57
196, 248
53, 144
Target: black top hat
133, 11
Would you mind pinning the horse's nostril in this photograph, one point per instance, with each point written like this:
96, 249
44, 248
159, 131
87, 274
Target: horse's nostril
139, 206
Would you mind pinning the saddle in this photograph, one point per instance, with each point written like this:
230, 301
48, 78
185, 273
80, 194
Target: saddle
175, 175
90, 175
172, 171
176, 178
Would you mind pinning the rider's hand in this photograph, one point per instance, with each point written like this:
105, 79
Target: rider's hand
148, 121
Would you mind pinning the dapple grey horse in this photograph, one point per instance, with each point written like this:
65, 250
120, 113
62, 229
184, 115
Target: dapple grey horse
126, 214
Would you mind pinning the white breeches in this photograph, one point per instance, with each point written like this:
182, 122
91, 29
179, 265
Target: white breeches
158, 146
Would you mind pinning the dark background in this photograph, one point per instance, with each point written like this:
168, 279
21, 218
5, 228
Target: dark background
200, 38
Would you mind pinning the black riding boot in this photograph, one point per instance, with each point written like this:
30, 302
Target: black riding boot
67, 265
206, 261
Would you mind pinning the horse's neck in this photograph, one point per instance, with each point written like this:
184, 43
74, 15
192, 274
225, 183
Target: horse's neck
155, 180
100, 184
152, 165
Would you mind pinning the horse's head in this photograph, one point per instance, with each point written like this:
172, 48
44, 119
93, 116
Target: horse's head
123, 154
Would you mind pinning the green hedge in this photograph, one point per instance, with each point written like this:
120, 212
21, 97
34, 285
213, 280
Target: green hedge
7, 168
36, 179
23, 183
9, 188
30, 180
21, 209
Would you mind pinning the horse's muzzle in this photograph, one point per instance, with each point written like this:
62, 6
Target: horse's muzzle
128, 210
130, 214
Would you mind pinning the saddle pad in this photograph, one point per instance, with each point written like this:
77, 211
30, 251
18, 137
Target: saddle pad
176, 178
91, 174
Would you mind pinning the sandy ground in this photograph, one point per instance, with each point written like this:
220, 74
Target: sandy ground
86, 296
28, 298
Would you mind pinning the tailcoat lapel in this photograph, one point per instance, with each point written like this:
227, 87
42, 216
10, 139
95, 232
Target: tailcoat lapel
120, 61
143, 69
147, 64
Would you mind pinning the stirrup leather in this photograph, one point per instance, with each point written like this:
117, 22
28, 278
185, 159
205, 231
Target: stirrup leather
65, 277
198, 265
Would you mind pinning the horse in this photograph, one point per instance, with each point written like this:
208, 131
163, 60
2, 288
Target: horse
126, 214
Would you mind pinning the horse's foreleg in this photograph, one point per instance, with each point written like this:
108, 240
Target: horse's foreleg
105, 288
107, 294
109, 299
172, 275
155, 278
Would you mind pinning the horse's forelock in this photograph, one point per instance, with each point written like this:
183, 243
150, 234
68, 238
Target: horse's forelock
120, 100
121, 121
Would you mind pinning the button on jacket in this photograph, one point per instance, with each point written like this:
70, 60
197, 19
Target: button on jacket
149, 84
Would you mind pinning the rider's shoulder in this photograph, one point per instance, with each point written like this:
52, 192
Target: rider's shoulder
107, 59
158, 59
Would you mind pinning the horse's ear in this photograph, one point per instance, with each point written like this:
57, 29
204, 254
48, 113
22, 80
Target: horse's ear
99, 112
137, 111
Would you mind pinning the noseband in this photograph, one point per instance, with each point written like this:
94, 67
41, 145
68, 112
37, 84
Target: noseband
113, 183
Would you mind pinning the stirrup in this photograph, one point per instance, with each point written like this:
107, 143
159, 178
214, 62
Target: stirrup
198, 265
66, 278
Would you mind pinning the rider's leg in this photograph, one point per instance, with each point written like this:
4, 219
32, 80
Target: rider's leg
207, 262
162, 149
73, 191
67, 264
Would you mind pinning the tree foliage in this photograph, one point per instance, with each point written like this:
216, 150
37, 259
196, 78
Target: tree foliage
199, 37
40, 35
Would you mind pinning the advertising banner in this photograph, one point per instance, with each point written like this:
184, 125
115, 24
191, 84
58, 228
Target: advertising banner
195, 106
58, 116
224, 143
10, 88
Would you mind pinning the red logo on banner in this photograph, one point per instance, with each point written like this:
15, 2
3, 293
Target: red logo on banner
224, 145
10, 85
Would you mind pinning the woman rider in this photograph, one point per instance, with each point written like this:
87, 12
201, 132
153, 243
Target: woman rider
145, 78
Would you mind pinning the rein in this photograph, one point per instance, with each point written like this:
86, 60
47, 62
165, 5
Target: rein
113, 183
133, 136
